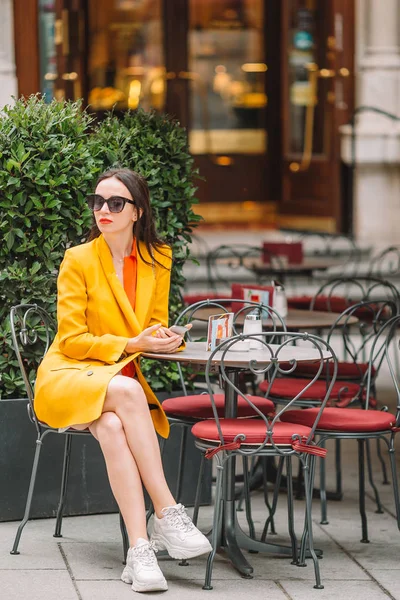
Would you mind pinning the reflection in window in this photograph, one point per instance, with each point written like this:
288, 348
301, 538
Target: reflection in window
126, 58
227, 62
304, 49
47, 49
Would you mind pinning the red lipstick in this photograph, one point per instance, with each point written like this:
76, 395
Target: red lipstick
105, 221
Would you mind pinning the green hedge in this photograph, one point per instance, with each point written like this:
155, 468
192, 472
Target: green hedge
50, 158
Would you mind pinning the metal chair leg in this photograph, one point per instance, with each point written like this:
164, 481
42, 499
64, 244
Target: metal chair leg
125, 539
32, 482
290, 506
361, 475
253, 464
300, 484
64, 484
393, 467
382, 461
217, 523
198, 490
308, 482
266, 499
272, 511
338, 464
322, 490
379, 509
249, 518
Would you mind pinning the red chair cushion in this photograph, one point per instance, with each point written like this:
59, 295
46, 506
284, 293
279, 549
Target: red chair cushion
199, 406
254, 429
335, 304
355, 420
288, 387
346, 370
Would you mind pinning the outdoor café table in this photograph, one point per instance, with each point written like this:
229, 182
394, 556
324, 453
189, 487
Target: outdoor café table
296, 320
306, 268
233, 538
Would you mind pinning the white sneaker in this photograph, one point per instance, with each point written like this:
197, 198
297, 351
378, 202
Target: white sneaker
176, 533
142, 569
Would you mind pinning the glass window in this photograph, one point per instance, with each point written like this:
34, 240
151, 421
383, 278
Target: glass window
227, 70
126, 57
47, 48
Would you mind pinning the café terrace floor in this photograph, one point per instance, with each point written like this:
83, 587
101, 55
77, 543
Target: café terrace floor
86, 563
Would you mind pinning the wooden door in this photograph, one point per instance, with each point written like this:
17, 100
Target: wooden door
69, 44
227, 113
317, 97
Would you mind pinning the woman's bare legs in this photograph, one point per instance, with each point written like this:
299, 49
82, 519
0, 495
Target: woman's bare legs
123, 473
126, 435
125, 397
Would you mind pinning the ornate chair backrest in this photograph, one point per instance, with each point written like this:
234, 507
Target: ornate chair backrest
327, 245
227, 262
386, 263
342, 292
273, 360
32, 331
270, 317
363, 339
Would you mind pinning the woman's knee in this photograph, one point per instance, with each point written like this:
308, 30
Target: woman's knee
125, 393
107, 427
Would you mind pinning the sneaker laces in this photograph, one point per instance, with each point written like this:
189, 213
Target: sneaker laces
145, 553
177, 517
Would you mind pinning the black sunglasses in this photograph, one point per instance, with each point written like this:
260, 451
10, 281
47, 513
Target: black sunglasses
115, 204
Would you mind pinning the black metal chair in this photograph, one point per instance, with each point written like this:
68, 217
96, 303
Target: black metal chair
385, 263
354, 376
32, 330
184, 411
361, 424
227, 263
228, 438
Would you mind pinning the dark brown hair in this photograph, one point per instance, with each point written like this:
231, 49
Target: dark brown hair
143, 228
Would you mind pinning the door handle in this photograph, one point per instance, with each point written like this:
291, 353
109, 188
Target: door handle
314, 73
296, 167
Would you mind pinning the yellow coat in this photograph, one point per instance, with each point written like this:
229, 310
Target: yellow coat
95, 321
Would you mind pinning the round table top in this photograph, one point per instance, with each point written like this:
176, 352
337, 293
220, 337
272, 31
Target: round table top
307, 266
196, 353
296, 319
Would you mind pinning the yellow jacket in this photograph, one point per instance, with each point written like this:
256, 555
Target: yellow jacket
95, 321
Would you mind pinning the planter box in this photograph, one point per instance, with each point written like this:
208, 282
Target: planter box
88, 488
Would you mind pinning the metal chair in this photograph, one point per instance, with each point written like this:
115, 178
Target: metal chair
362, 424
261, 436
386, 263
353, 376
184, 411
32, 330
226, 263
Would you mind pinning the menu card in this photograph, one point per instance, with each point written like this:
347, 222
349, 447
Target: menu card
219, 328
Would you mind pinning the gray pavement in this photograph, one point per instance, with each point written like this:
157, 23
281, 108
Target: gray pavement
87, 562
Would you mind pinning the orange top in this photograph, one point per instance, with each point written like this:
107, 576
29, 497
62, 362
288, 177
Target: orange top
130, 271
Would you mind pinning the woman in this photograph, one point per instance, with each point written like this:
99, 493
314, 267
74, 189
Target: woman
113, 305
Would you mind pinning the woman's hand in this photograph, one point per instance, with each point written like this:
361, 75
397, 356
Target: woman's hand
164, 332
151, 341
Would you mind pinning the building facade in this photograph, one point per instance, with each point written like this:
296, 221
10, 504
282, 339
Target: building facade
267, 90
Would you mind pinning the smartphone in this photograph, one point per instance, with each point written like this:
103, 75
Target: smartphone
179, 329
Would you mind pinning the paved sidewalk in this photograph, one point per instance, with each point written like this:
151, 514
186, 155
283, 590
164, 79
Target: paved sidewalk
86, 563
